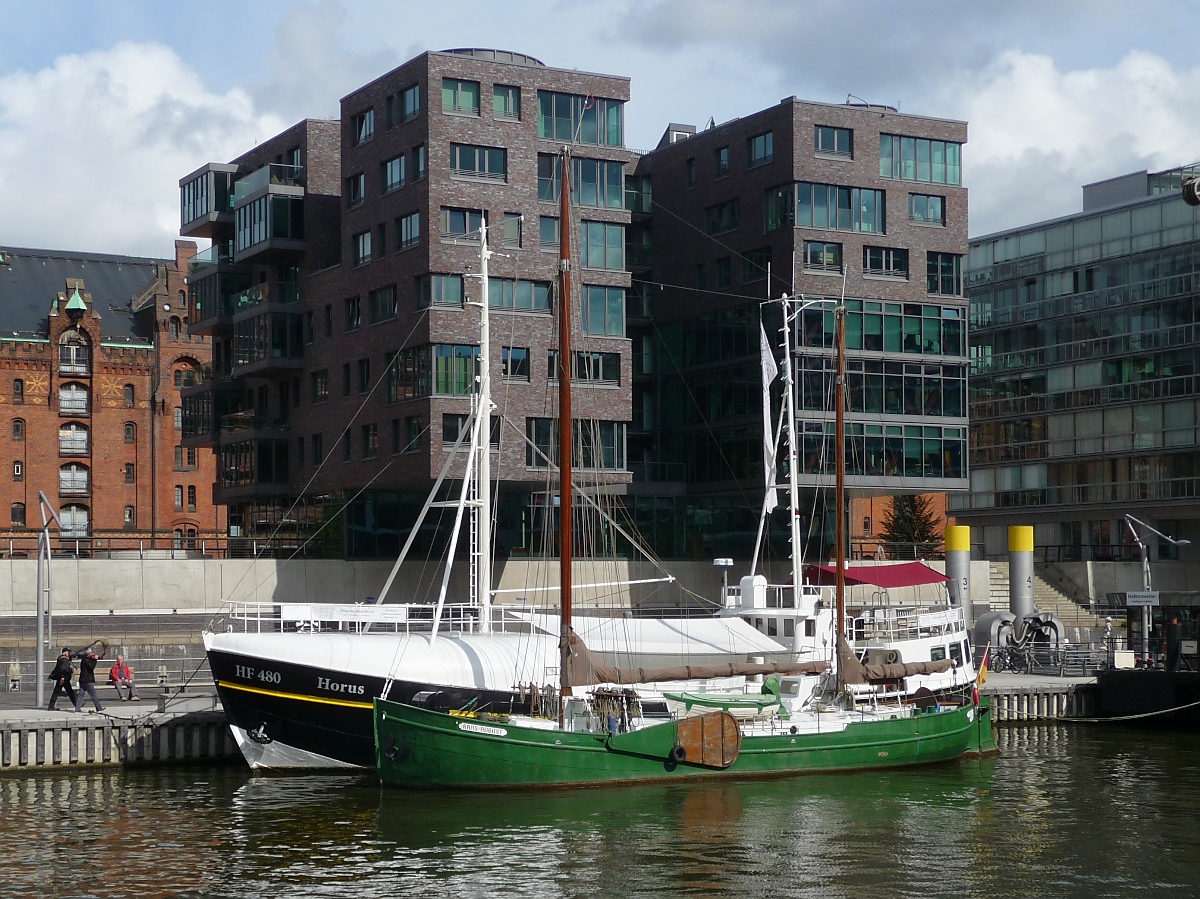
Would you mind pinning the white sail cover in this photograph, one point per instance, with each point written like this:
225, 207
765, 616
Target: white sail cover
770, 371
679, 639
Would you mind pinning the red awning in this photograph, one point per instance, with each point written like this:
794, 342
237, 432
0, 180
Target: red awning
899, 574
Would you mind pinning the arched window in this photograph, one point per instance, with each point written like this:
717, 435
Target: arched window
173, 328
18, 390
191, 538
178, 497
73, 479
74, 520
73, 355
191, 499
73, 439
128, 392
130, 473
18, 429
72, 399
178, 542
179, 418
130, 432
18, 515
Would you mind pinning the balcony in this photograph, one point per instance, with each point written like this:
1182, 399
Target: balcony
206, 200
269, 223
250, 423
268, 342
273, 178
72, 444
272, 292
73, 484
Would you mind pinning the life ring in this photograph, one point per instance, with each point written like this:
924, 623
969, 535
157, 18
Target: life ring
677, 755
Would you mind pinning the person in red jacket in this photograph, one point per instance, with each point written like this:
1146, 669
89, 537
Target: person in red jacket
120, 675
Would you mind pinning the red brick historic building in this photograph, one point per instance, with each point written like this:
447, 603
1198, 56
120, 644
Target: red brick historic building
94, 350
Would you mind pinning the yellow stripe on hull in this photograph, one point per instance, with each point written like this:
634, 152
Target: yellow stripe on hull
279, 695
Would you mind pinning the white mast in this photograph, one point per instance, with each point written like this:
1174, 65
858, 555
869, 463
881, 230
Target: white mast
791, 312
481, 552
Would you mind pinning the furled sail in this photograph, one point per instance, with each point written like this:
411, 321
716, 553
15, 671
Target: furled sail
584, 669
855, 672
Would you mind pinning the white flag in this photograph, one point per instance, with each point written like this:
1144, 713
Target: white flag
769, 372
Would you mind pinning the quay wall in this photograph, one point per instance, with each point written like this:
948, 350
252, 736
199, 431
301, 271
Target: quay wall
41, 744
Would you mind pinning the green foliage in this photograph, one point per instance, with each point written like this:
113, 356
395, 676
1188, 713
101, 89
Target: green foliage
911, 520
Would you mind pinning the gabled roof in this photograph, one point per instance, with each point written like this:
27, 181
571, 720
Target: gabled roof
31, 279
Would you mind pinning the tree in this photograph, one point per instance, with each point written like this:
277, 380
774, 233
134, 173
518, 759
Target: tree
911, 520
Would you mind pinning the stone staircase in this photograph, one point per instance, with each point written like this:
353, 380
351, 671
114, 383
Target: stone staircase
1046, 598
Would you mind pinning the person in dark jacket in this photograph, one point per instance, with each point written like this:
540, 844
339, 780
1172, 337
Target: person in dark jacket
87, 680
61, 675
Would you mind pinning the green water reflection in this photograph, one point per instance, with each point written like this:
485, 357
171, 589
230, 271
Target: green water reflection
1066, 811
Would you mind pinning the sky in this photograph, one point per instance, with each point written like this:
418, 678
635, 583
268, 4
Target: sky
105, 105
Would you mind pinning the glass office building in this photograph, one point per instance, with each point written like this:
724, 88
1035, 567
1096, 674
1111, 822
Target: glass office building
1084, 338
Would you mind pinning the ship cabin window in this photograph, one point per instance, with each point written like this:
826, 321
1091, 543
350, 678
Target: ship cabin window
789, 627
758, 625
772, 627
810, 627
966, 650
956, 655
937, 653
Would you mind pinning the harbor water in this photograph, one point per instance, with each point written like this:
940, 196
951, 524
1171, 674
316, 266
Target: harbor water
1067, 810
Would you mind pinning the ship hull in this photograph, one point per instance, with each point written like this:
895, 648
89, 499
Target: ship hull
420, 748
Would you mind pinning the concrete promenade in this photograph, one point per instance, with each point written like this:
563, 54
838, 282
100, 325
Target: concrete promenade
160, 728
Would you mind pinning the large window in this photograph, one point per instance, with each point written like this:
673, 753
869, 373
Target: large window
73, 354
822, 256
506, 102
602, 245
920, 159
394, 172
404, 106
439, 290
509, 293
353, 313
454, 369
603, 311
356, 189
73, 479
831, 141
885, 261
581, 119
73, 400
594, 182
472, 161
721, 161
599, 445
760, 149
589, 366
363, 126
722, 217
514, 363
370, 441
923, 328
319, 381
944, 274
461, 224
927, 209
839, 208
408, 231
383, 303
755, 264
361, 247
460, 96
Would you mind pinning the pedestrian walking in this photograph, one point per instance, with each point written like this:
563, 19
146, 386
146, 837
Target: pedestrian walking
87, 680
61, 675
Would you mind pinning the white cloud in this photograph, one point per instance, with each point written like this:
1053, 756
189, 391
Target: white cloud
92, 148
1038, 133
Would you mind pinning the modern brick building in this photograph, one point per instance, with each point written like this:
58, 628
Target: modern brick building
94, 352
821, 200
344, 350
1085, 353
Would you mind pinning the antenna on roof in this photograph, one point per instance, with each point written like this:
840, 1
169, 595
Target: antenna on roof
712, 123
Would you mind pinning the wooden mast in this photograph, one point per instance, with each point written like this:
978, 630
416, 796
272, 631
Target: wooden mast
565, 435
839, 443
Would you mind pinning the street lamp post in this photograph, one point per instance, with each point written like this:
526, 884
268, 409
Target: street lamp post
44, 607
1144, 552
